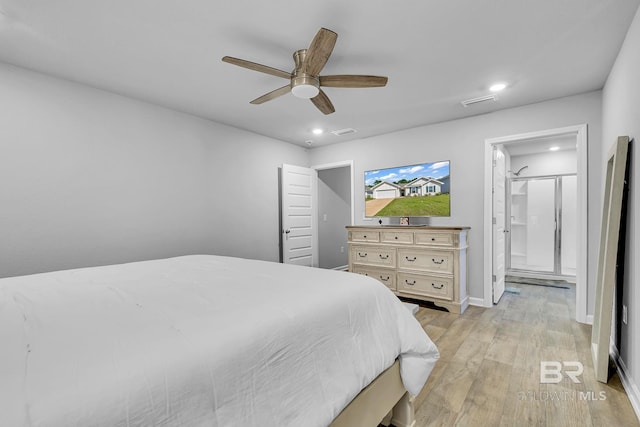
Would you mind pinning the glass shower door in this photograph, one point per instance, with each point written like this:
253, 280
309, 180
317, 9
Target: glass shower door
533, 224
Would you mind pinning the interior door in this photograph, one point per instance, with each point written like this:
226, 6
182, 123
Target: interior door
499, 229
299, 215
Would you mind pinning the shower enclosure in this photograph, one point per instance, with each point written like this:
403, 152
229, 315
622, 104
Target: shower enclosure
542, 226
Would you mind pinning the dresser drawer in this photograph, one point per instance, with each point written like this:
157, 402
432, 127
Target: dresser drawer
396, 237
425, 260
387, 277
419, 262
434, 238
425, 285
364, 236
371, 255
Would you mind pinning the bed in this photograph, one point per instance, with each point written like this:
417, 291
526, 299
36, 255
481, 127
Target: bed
206, 340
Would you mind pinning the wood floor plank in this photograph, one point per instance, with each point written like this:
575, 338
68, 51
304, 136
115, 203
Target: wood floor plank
486, 397
489, 370
503, 347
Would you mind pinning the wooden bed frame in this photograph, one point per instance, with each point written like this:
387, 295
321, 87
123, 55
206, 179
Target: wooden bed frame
384, 401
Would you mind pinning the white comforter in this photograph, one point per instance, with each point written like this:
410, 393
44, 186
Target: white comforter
198, 341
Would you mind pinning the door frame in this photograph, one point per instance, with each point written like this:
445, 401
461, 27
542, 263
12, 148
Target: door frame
352, 210
342, 164
580, 133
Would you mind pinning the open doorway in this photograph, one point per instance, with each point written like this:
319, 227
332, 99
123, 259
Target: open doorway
532, 245
335, 212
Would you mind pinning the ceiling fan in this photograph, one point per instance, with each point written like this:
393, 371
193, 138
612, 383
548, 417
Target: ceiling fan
305, 80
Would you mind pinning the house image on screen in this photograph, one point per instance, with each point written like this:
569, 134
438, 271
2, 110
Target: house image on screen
423, 186
386, 190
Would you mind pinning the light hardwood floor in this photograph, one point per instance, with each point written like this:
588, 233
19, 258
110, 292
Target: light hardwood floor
489, 368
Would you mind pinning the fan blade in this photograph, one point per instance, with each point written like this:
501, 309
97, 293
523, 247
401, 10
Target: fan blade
272, 95
346, 80
322, 101
319, 51
257, 67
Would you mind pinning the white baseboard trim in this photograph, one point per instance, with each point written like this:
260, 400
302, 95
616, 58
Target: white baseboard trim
479, 302
341, 268
627, 382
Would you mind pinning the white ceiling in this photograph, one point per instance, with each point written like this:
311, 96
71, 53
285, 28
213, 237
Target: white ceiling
435, 52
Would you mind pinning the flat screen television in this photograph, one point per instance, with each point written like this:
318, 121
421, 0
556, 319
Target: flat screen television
420, 190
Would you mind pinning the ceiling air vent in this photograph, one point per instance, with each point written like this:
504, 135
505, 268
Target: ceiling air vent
341, 132
479, 99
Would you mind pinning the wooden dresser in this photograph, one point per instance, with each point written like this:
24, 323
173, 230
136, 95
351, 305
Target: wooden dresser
426, 263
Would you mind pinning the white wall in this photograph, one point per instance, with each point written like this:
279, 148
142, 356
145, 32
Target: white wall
90, 178
463, 142
621, 116
551, 163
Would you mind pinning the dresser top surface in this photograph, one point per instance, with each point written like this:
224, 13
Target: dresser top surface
407, 227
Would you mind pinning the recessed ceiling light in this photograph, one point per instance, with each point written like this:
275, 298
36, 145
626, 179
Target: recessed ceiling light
498, 87
554, 148
317, 131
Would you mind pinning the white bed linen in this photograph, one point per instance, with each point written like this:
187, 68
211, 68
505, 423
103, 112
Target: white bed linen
198, 341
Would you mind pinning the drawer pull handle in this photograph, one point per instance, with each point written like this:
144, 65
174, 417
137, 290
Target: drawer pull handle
433, 239
361, 255
438, 287
365, 236
396, 237
437, 262
385, 279
409, 283
410, 259
384, 257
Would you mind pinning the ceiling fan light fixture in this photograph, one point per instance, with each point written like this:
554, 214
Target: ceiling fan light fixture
305, 86
305, 91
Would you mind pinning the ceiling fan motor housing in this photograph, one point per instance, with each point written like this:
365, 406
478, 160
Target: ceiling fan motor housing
303, 85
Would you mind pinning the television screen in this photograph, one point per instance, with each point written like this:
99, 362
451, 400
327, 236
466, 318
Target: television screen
408, 191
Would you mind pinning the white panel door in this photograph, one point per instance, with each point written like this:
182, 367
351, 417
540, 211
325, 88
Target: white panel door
299, 215
499, 230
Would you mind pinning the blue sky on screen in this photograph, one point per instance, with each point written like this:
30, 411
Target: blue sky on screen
433, 170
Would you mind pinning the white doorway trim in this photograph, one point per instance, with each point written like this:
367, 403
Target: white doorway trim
580, 133
342, 164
